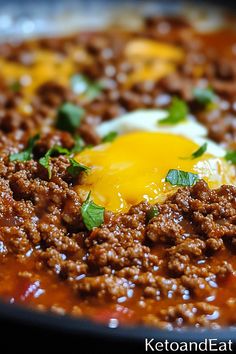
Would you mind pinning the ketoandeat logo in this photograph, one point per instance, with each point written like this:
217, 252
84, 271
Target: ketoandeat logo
209, 344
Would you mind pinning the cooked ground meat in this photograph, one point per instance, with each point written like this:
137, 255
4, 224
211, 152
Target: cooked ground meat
175, 270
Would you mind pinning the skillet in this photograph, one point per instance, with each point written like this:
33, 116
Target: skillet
67, 332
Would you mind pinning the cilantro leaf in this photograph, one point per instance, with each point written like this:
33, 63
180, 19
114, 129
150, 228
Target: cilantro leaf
75, 168
26, 154
82, 85
79, 145
92, 214
204, 96
181, 178
21, 156
45, 160
231, 156
69, 117
109, 137
177, 112
151, 213
15, 86
199, 152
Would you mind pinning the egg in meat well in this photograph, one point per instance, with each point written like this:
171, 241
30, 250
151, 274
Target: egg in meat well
134, 166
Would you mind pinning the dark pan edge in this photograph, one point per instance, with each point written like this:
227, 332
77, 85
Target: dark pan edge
73, 326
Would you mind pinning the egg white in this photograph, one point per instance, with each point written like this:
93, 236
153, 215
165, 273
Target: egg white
147, 120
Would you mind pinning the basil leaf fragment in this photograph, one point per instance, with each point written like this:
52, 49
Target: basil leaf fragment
69, 117
151, 213
204, 96
92, 214
231, 156
109, 137
199, 152
82, 85
45, 160
181, 178
26, 154
177, 112
75, 168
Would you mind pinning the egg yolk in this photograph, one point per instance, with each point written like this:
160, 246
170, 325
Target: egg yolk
133, 168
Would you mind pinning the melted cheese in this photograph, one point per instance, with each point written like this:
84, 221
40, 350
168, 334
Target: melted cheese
47, 66
149, 49
151, 60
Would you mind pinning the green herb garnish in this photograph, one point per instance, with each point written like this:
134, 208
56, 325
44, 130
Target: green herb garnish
204, 96
26, 154
231, 156
109, 137
181, 178
177, 112
92, 214
199, 152
15, 86
79, 145
75, 168
82, 85
69, 117
45, 160
151, 213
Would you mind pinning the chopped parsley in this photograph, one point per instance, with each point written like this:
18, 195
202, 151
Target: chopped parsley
204, 96
109, 137
15, 86
177, 112
199, 152
45, 160
151, 213
75, 168
82, 85
26, 154
181, 178
69, 117
79, 145
231, 156
92, 214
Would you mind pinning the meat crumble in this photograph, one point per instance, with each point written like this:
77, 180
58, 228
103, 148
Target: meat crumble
175, 269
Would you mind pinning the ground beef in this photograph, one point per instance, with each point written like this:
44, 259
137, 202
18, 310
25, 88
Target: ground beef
189, 314
126, 253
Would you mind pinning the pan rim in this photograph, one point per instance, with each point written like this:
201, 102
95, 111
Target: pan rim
82, 326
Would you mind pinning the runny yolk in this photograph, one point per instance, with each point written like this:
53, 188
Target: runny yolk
133, 168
